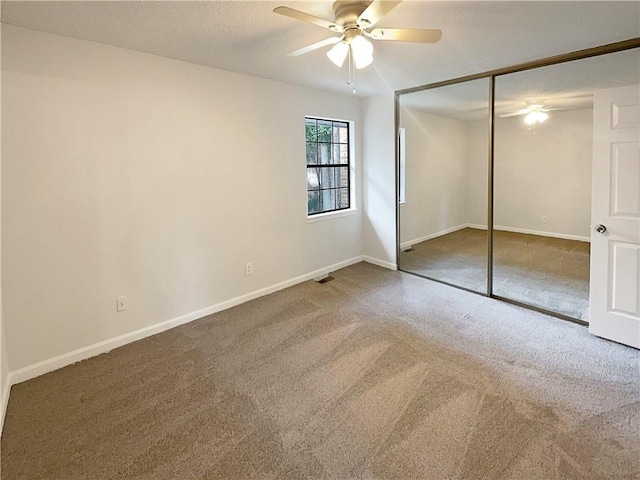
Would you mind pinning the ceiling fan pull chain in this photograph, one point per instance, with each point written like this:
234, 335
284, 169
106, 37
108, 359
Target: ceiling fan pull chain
352, 72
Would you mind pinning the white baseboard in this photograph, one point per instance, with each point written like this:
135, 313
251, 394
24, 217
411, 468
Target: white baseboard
409, 243
4, 400
51, 364
543, 234
477, 226
540, 233
380, 263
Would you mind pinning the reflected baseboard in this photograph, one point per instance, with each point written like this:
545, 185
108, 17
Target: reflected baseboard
408, 244
540, 233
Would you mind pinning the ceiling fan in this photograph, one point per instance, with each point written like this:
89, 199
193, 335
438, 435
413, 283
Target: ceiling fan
353, 22
535, 111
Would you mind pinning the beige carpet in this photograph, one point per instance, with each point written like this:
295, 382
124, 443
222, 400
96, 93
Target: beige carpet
550, 273
376, 374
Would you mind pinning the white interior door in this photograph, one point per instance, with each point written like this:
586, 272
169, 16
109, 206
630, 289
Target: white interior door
614, 303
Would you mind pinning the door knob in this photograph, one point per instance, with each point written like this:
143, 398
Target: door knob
601, 228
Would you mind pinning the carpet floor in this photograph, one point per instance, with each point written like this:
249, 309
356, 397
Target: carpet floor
375, 374
551, 273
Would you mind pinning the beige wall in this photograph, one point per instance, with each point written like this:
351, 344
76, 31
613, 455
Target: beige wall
379, 222
130, 174
4, 361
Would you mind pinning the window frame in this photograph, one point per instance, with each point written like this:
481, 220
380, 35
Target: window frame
335, 212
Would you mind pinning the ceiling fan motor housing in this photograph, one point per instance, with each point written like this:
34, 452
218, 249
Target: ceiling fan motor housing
347, 12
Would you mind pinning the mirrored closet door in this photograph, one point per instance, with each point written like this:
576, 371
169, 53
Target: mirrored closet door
524, 184
443, 149
544, 179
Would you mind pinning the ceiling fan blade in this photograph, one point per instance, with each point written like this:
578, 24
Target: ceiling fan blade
374, 12
305, 17
524, 111
314, 46
406, 35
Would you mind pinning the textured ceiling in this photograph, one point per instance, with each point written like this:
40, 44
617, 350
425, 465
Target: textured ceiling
246, 37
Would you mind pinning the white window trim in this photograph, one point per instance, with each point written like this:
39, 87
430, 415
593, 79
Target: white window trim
321, 217
347, 212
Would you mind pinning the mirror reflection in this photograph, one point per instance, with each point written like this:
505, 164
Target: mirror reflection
544, 163
565, 160
443, 183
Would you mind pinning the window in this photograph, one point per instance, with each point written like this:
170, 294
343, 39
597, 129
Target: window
328, 165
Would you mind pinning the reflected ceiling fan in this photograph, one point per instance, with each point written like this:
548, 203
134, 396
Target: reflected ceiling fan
353, 22
535, 111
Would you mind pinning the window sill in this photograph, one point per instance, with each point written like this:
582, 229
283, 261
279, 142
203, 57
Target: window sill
331, 215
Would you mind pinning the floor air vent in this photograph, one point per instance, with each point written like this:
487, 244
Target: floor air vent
326, 279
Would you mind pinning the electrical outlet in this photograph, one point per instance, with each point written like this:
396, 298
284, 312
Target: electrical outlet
248, 268
544, 219
121, 304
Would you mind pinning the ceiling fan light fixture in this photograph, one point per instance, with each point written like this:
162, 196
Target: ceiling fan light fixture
535, 117
363, 61
362, 51
338, 53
